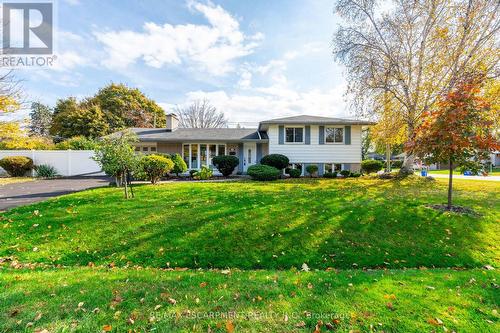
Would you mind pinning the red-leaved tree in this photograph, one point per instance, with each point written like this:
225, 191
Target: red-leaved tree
459, 132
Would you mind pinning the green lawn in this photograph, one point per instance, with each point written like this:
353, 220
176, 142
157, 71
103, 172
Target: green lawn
88, 299
495, 172
263, 233
350, 223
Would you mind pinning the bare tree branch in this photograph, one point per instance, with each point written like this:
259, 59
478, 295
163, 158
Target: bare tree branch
200, 114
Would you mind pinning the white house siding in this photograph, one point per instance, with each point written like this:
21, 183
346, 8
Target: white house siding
316, 153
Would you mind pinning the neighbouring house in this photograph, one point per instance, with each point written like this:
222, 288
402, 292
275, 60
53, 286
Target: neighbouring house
330, 143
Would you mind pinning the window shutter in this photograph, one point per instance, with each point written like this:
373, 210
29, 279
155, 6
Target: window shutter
281, 134
321, 135
307, 140
347, 135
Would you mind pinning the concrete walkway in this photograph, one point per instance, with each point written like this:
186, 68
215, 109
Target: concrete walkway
488, 178
18, 194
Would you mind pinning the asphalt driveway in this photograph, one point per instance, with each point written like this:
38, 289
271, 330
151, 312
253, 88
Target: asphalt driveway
18, 194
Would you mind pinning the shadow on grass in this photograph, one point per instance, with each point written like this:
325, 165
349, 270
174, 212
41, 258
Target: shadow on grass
249, 225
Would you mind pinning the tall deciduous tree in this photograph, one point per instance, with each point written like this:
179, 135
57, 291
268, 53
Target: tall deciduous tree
41, 119
415, 51
200, 114
460, 131
78, 119
15, 136
390, 129
127, 107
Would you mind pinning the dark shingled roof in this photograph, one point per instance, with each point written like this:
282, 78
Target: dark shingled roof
315, 120
199, 134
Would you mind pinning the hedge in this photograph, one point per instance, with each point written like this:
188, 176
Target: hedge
263, 172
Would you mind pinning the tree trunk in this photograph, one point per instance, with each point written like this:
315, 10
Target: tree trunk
124, 180
408, 163
409, 160
450, 185
388, 157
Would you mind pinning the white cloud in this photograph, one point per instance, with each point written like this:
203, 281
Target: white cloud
279, 98
255, 106
211, 48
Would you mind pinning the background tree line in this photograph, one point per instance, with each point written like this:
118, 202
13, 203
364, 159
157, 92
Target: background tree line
75, 124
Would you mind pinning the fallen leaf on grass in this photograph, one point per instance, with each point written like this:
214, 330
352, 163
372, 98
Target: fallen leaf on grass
300, 324
229, 326
107, 328
317, 328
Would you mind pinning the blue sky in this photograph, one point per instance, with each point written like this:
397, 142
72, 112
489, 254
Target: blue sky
253, 60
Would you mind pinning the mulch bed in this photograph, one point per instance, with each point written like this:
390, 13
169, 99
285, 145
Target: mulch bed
454, 209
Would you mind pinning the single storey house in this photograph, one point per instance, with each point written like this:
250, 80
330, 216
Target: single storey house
330, 143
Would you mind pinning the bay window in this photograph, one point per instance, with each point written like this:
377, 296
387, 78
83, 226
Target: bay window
197, 155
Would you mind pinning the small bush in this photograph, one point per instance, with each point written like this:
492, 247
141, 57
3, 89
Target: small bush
370, 166
277, 161
16, 166
179, 164
226, 164
330, 174
205, 173
294, 173
355, 174
192, 172
345, 173
78, 143
263, 172
311, 169
45, 171
155, 166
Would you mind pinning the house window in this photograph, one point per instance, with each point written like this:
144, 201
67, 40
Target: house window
249, 156
212, 153
203, 155
137, 148
144, 148
294, 134
295, 166
334, 135
331, 167
222, 150
196, 155
152, 148
185, 154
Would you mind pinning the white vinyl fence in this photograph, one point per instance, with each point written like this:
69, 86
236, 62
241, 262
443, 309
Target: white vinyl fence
66, 162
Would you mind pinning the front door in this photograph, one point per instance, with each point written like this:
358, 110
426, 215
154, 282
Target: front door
249, 154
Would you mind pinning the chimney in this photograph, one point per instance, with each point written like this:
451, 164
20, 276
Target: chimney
172, 122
